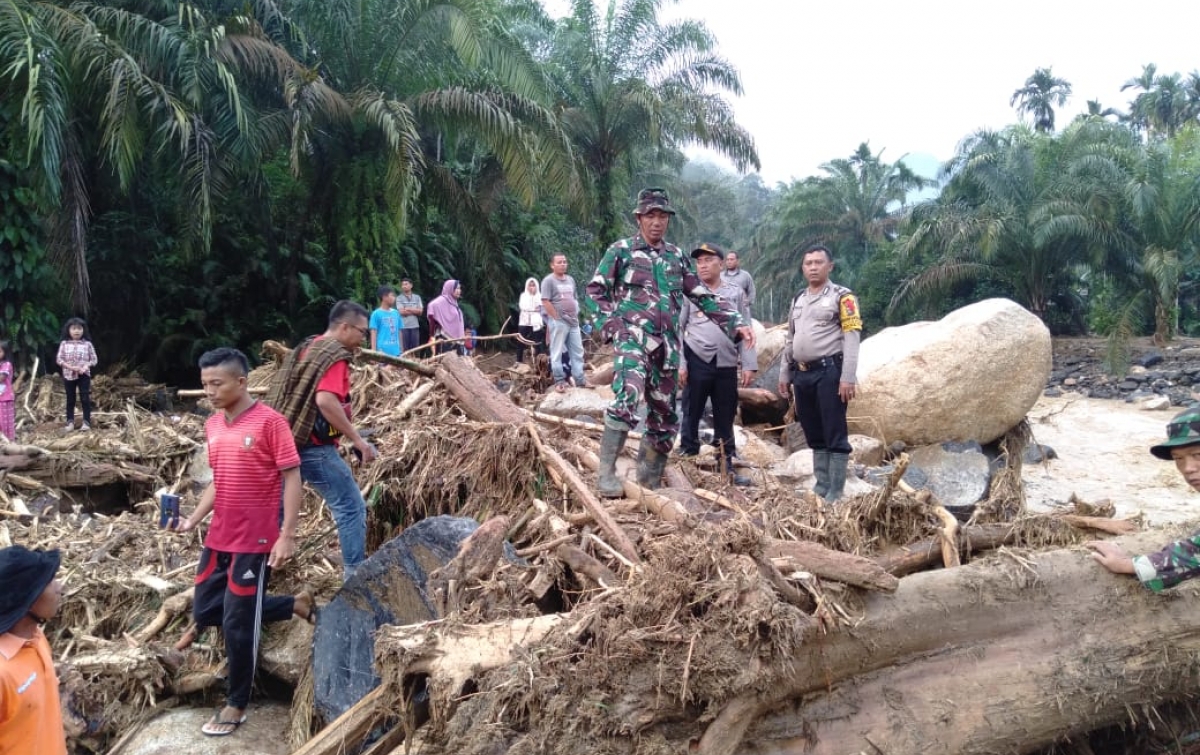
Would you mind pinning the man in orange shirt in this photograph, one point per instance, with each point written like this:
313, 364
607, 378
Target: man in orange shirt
30, 712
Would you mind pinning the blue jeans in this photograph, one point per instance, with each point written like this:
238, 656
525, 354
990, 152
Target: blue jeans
321, 467
568, 337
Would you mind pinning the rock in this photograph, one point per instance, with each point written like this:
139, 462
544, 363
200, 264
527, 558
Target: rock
574, 401
287, 650
602, 375
793, 438
971, 375
389, 588
264, 733
795, 467
1069, 382
957, 477
1156, 403
769, 344
856, 486
867, 451
1036, 453
1150, 359
752, 448
1052, 393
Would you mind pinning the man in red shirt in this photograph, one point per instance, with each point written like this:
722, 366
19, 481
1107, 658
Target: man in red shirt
30, 712
312, 390
255, 468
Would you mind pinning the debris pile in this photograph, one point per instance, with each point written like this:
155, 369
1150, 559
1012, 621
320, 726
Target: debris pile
669, 618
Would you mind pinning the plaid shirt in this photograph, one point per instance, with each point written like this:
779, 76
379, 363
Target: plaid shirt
76, 358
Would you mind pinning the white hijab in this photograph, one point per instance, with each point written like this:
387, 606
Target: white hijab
531, 306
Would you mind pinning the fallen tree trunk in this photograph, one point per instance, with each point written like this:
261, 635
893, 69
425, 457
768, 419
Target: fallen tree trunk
476, 395
1007, 654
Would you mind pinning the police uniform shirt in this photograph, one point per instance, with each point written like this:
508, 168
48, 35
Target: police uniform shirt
822, 325
707, 339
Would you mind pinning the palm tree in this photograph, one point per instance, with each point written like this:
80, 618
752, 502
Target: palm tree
1043, 91
1165, 102
625, 82
448, 115
855, 209
1163, 191
1020, 208
106, 88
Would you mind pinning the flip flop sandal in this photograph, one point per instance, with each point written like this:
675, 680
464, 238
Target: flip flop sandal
209, 729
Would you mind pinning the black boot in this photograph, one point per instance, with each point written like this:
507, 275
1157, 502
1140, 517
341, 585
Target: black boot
837, 475
651, 465
609, 485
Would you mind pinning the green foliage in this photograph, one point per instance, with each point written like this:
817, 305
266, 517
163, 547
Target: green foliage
27, 290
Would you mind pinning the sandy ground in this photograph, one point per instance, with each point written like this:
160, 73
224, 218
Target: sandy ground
1103, 452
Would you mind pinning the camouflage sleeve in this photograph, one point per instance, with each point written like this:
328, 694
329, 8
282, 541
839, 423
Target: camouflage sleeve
601, 291
1173, 564
709, 303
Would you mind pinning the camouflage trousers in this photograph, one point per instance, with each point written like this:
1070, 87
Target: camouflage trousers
638, 377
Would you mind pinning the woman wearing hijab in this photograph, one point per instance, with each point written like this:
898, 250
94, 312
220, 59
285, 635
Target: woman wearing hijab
446, 318
530, 324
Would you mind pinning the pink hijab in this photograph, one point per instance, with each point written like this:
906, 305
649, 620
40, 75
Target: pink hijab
446, 311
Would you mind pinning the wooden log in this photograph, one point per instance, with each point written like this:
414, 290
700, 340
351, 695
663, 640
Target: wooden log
347, 732
664, 508
414, 399
476, 396
925, 553
833, 565
980, 659
1100, 524
620, 540
46, 469
171, 608
408, 364
948, 536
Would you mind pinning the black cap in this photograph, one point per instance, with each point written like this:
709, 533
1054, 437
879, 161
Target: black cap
707, 248
25, 575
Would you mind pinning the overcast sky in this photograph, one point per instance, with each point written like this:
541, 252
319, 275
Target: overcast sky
916, 77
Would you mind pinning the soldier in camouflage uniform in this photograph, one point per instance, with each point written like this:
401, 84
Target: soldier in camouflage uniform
639, 288
1179, 560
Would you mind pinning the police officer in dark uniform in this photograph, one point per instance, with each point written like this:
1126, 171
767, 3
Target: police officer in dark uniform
824, 329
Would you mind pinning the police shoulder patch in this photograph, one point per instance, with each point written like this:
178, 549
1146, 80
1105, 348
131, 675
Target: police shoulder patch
848, 313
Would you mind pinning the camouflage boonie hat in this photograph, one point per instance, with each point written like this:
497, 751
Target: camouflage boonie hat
707, 248
653, 199
1182, 430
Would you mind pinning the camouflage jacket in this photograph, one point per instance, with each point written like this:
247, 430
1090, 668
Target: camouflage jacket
1173, 564
640, 290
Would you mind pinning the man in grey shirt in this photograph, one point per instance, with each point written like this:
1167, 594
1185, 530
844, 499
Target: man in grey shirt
734, 274
562, 314
410, 307
712, 363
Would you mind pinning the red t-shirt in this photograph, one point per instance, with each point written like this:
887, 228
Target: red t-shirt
336, 380
248, 457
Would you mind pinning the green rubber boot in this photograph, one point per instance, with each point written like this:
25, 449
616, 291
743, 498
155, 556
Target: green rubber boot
609, 485
837, 476
821, 470
651, 465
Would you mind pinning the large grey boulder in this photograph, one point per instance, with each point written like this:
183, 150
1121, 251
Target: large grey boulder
178, 731
956, 473
970, 376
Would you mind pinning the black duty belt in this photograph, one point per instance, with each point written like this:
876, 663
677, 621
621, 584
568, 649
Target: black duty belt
817, 364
